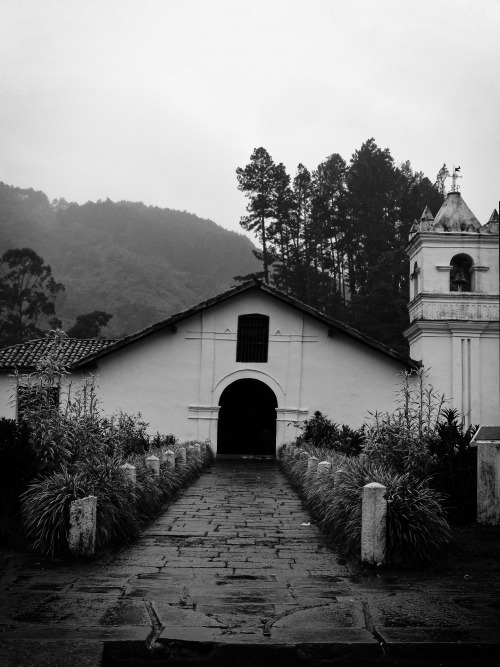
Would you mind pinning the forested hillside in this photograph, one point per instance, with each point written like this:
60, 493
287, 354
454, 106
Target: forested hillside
139, 263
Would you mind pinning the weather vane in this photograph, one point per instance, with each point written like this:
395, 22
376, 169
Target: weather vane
454, 176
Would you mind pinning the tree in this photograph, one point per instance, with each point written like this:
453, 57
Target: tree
89, 325
335, 238
257, 181
27, 295
440, 183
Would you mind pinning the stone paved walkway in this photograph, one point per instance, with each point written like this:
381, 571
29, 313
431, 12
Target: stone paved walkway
235, 561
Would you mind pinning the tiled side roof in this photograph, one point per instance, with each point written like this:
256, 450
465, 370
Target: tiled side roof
26, 355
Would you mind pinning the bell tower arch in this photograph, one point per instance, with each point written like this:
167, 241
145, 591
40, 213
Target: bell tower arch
454, 306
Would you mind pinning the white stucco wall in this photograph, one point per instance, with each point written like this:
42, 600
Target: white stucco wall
175, 379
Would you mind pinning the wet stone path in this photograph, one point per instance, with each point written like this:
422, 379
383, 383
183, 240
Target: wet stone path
236, 562
238, 555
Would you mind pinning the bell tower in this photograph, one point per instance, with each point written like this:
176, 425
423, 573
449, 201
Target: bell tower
454, 306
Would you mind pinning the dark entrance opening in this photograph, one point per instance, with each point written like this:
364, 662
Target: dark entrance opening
247, 419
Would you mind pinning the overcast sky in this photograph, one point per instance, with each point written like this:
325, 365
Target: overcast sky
160, 100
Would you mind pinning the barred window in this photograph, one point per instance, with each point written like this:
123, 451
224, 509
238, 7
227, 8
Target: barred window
253, 338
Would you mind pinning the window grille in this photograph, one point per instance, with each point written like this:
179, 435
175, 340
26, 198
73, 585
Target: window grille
253, 338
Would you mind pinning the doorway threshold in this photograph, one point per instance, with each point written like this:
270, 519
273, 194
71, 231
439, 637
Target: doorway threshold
253, 457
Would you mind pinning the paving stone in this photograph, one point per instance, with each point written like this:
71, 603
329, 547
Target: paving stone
230, 563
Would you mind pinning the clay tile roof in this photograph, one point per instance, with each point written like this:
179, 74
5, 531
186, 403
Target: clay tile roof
26, 355
455, 216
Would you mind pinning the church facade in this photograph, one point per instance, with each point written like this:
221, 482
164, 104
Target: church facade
245, 368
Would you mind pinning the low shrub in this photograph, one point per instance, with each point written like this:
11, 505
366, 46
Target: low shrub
46, 505
456, 469
121, 507
391, 444
416, 523
319, 431
78, 452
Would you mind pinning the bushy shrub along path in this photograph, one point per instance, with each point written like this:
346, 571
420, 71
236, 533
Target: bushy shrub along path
234, 561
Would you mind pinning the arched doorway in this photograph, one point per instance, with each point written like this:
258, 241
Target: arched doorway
247, 419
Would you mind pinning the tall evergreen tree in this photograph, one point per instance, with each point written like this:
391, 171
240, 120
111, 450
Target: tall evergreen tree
336, 238
257, 181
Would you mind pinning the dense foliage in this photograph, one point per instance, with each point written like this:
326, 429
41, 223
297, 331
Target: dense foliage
335, 238
421, 453
27, 295
139, 263
319, 431
65, 449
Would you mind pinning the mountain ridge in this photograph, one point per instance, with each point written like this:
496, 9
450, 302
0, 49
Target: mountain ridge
140, 263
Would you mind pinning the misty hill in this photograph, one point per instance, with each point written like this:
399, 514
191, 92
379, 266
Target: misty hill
140, 263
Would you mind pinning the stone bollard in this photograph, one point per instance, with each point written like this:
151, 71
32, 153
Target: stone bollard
189, 450
298, 451
130, 472
182, 454
488, 482
324, 467
304, 456
373, 524
153, 463
337, 478
312, 465
197, 450
169, 458
82, 526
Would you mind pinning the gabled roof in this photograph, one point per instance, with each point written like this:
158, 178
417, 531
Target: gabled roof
173, 320
25, 356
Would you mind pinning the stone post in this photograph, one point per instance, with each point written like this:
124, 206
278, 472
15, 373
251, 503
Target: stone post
169, 458
182, 454
488, 482
197, 450
129, 472
189, 450
296, 454
373, 524
82, 526
337, 479
312, 465
304, 456
324, 467
153, 463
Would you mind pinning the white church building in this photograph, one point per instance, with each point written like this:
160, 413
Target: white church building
243, 368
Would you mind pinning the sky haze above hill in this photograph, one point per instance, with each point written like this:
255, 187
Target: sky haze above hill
160, 100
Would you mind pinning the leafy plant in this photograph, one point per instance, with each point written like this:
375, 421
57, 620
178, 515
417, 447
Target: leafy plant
46, 505
77, 452
319, 431
456, 469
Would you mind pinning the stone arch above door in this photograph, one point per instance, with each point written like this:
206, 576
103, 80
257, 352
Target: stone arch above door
249, 374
